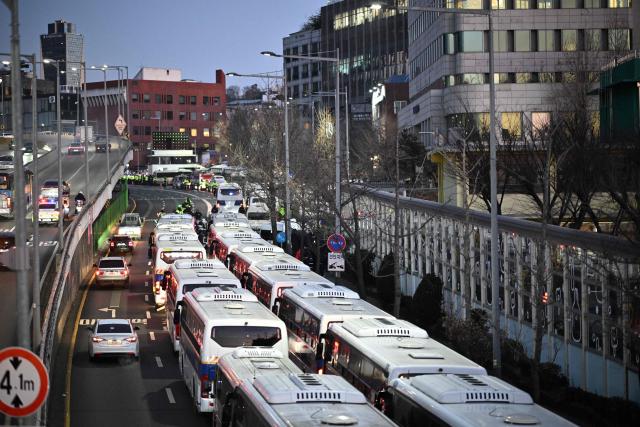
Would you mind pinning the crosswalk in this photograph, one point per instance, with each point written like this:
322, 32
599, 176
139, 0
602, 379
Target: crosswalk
7, 230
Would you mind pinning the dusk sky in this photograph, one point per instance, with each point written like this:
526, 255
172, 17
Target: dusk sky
197, 36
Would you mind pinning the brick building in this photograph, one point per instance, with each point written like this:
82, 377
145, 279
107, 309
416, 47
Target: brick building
160, 100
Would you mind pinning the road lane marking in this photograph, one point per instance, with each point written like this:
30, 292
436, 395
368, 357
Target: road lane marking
159, 362
146, 298
164, 328
170, 395
72, 347
149, 263
115, 299
161, 308
146, 283
152, 335
146, 272
14, 227
148, 315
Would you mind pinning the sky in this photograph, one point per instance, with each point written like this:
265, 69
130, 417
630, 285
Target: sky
197, 36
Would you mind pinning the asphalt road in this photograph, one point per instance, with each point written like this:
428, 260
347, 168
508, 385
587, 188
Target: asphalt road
123, 391
73, 172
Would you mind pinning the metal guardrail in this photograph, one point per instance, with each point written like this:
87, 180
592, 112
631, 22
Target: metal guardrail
81, 223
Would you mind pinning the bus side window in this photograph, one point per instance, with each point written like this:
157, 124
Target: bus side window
176, 316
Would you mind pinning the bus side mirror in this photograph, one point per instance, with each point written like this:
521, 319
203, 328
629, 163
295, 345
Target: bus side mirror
176, 317
276, 306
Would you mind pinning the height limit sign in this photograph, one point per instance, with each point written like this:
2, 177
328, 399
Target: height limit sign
24, 382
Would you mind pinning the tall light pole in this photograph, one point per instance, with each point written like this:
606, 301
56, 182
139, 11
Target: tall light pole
336, 61
104, 69
2, 102
493, 178
59, 129
287, 190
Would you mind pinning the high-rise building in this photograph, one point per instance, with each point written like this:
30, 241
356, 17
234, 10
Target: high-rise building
63, 44
372, 46
303, 77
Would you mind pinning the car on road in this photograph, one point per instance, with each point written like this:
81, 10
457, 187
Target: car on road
121, 243
101, 146
112, 269
113, 337
50, 188
76, 148
131, 225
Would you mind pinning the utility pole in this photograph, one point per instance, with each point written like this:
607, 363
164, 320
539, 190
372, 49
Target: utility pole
35, 324
22, 290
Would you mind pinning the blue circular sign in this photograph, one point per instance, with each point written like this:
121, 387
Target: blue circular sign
280, 237
336, 243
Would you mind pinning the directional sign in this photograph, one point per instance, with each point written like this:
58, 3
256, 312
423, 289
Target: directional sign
280, 237
120, 124
24, 382
335, 261
336, 243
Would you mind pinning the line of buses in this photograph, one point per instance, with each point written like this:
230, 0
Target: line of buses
263, 341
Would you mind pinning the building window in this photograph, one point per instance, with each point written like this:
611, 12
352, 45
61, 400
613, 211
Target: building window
194, 132
522, 41
470, 79
449, 44
618, 39
158, 99
205, 132
471, 41
157, 115
524, 77
182, 130
146, 98
615, 4
216, 100
540, 121
592, 40
498, 4
315, 67
205, 100
169, 115
192, 100
193, 116
135, 114
169, 99
592, 4
569, 40
511, 125
545, 4
135, 97
206, 116
568, 77
181, 99
464, 4
182, 115
546, 41
500, 41
546, 77
568, 4
499, 78
521, 4
147, 130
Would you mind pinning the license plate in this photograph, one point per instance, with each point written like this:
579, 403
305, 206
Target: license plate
114, 342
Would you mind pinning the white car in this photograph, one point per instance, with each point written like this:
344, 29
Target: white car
131, 225
219, 179
112, 269
113, 337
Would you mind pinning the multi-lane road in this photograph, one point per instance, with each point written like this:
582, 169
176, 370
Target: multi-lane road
123, 391
72, 172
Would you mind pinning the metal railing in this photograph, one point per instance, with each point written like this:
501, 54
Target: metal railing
589, 279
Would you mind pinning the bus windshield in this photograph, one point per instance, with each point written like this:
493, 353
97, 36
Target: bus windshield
170, 256
191, 286
5, 182
245, 336
229, 191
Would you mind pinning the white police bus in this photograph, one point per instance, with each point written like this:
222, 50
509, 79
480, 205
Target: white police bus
240, 259
309, 309
296, 400
461, 400
369, 353
185, 276
227, 241
214, 322
269, 278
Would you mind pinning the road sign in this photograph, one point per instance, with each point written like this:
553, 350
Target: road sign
336, 243
335, 261
280, 237
24, 382
52, 100
120, 124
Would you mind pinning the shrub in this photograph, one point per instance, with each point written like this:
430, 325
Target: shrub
426, 305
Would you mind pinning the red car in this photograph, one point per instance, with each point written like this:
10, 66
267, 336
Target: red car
76, 148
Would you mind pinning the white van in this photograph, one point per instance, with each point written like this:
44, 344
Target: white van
229, 197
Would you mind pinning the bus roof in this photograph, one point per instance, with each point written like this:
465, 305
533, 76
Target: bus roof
292, 277
472, 400
176, 237
175, 216
334, 303
228, 216
402, 348
230, 306
210, 272
282, 262
310, 399
180, 244
248, 362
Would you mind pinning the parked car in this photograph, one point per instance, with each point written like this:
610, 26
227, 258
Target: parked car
75, 148
112, 270
101, 146
120, 243
113, 337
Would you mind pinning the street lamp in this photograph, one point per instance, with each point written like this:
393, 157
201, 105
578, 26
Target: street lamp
336, 61
106, 118
495, 285
287, 191
59, 129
